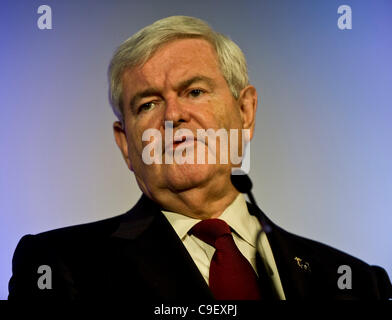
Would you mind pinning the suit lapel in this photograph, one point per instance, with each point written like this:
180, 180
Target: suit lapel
151, 248
308, 269
295, 266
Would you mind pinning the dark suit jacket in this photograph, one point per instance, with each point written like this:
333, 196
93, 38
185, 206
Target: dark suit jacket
138, 256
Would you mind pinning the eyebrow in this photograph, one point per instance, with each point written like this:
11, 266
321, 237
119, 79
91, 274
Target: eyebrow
182, 85
143, 94
186, 83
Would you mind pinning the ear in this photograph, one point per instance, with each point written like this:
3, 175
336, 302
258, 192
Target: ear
121, 141
248, 106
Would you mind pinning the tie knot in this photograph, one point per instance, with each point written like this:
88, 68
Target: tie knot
210, 230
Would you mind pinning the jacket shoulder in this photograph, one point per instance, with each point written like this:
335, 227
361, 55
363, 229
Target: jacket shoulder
100, 228
59, 249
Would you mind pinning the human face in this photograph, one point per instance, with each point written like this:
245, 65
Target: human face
181, 83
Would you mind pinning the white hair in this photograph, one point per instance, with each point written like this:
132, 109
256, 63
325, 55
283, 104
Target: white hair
136, 50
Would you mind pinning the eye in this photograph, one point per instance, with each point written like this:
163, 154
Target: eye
146, 106
196, 93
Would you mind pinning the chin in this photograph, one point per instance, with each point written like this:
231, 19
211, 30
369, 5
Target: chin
182, 177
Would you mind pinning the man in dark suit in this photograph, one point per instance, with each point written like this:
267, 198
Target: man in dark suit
191, 236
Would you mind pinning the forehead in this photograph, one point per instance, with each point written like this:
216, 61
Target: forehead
174, 62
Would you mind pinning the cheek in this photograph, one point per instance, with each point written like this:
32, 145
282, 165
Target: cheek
234, 115
228, 116
135, 141
136, 130
212, 114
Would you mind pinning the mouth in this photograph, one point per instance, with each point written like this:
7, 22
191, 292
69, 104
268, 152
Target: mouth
172, 145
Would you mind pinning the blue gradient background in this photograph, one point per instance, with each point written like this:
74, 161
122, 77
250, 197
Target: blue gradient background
321, 157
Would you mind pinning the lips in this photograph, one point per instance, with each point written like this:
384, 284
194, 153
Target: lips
174, 144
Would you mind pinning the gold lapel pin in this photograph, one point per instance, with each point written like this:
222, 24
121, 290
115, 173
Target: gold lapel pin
303, 264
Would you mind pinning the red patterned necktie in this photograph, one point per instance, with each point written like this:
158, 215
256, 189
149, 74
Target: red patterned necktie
231, 275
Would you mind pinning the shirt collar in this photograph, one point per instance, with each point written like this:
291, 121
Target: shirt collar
236, 215
241, 221
181, 223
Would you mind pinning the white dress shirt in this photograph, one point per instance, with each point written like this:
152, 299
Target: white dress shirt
245, 228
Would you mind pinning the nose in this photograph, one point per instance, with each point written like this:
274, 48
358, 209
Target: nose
176, 111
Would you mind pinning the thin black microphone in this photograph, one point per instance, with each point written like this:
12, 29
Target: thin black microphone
243, 184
